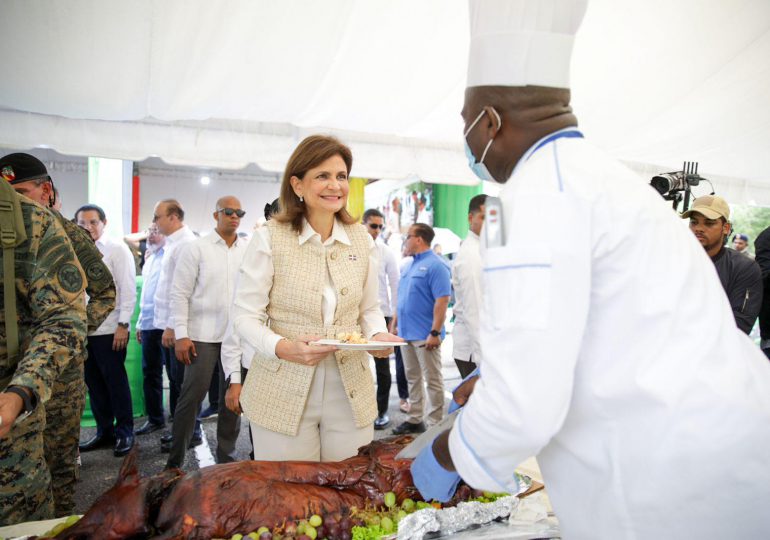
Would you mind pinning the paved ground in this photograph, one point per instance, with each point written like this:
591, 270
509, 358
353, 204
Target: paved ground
100, 468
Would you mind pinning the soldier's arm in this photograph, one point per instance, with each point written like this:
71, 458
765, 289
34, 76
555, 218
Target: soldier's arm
56, 305
100, 286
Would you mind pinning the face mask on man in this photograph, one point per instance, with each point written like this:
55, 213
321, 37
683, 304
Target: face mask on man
478, 168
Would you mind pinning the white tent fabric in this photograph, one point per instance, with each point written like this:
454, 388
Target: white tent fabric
226, 83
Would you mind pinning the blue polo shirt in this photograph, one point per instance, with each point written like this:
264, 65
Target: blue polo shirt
422, 281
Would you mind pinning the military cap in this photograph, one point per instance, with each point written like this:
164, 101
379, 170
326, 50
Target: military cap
20, 167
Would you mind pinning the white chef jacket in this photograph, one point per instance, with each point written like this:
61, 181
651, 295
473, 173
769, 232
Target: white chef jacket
204, 283
611, 353
256, 280
174, 242
389, 275
466, 282
117, 257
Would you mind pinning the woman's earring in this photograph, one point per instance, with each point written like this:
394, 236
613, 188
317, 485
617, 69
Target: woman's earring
301, 198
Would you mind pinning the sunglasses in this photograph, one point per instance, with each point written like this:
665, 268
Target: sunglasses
376, 226
231, 211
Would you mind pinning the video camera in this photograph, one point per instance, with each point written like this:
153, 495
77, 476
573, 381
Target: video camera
676, 186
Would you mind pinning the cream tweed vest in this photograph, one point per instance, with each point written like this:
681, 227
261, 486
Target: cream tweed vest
275, 391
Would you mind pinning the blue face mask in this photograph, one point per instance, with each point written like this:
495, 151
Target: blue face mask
478, 168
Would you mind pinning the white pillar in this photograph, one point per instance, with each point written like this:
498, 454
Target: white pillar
109, 186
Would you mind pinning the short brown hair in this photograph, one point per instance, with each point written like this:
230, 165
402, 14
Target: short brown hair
425, 232
311, 152
173, 207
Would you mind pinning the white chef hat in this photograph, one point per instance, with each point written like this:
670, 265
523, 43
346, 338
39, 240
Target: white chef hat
522, 42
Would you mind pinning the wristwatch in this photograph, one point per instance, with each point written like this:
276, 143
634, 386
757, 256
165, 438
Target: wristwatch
123, 325
29, 401
435, 333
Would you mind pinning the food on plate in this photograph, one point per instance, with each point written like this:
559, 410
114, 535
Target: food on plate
351, 337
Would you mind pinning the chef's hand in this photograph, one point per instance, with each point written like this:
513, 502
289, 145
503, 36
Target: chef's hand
463, 391
434, 482
233, 398
300, 351
385, 336
185, 351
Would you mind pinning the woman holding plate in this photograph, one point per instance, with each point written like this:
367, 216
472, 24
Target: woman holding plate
310, 273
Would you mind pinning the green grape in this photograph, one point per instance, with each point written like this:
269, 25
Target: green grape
422, 504
311, 532
253, 535
301, 526
401, 515
236, 536
72, 520
315, 520
408, 505
390, 499
262, 530
387, 524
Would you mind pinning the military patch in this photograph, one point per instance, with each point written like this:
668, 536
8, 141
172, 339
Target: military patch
70, 278
95, 272
8, 173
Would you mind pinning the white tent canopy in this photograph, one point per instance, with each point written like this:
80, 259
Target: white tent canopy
226, 83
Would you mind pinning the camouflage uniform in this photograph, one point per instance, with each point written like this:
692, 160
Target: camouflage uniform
52, 322
68, 396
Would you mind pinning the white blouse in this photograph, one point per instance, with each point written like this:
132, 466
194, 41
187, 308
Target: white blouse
256, 279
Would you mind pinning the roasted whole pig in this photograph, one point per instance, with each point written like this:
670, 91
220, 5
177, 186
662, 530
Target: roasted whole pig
221, 500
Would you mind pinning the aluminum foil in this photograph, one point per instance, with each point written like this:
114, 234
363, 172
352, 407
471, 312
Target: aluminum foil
466, 514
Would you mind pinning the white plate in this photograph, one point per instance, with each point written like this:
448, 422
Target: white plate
369, 346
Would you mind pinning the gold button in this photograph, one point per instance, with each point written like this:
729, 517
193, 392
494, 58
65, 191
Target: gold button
344, 291
334, 256
352, 393
342, 361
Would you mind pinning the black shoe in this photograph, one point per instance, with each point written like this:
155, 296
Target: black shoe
208, 412
196, 440
165, 447
123, 445
382, 421
149, 427
96, 442
166, 438
408, 427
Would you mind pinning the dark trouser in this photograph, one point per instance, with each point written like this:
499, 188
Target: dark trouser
195, 384
465, 367
108, 389
175, 374
382, 368
152, 370
401, 384
228, 423
214, 390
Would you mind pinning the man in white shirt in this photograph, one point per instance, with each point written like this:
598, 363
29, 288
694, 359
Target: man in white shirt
168, 216
466, 281
609, 348
204, 283
149, 337
105, 370
374, 222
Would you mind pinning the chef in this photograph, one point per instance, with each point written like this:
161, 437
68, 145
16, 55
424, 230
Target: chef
610, 351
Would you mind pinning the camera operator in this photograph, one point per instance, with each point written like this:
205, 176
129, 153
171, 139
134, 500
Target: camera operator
741, 277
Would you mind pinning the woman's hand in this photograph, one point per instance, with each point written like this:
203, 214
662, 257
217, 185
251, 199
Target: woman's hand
233, 397
384, 336
300, 351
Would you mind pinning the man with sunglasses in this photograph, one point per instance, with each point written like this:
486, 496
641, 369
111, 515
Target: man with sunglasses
202, 293
374, 222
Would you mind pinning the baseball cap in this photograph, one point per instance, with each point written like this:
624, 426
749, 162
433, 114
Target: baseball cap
20, 167
740, 236
711, 206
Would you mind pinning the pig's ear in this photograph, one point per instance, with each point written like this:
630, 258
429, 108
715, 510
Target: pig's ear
128, 470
